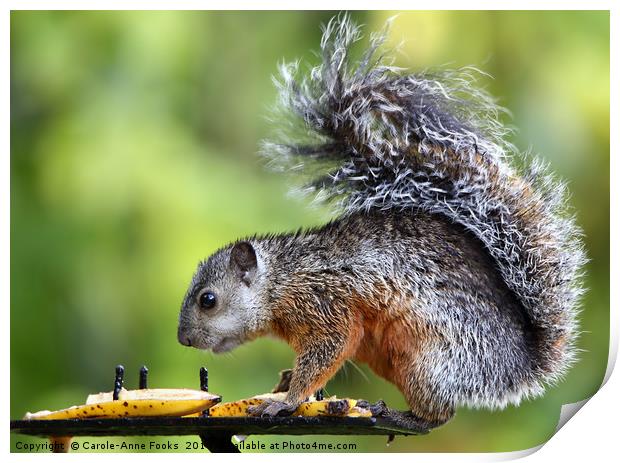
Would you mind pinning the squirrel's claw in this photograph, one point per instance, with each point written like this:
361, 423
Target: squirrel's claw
272, 408
377, 409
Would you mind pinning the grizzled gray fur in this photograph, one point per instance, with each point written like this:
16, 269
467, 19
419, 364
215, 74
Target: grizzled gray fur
452, 273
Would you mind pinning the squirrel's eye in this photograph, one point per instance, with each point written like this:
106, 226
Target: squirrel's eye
207, 300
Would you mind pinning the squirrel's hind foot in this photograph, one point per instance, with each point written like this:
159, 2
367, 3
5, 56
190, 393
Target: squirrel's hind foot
410, 421
404, 419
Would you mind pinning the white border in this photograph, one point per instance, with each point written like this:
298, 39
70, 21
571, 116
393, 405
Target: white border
310, 5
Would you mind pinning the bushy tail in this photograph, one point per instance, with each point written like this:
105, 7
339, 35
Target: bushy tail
433, 141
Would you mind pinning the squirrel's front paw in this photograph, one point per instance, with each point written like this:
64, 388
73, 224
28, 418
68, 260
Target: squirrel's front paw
272, 408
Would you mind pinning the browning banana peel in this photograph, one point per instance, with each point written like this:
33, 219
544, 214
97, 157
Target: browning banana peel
142, 402
328, 407
332, 407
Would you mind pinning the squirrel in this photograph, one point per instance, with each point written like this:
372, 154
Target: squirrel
452, 273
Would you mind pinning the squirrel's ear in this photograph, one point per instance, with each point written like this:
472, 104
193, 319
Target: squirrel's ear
243, 261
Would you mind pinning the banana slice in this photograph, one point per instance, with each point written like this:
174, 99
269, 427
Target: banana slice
332, 406
140, 402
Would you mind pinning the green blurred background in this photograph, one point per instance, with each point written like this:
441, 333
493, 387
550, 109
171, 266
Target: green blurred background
133, 156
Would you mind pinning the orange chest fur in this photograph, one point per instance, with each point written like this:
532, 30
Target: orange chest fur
387, 346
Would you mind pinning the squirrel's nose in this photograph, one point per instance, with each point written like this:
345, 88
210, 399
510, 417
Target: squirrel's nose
184, 338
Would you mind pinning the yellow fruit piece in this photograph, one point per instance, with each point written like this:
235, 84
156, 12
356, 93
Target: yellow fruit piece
328, 407
153, 394
357, 412
239, 408
142, 402
332, 407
